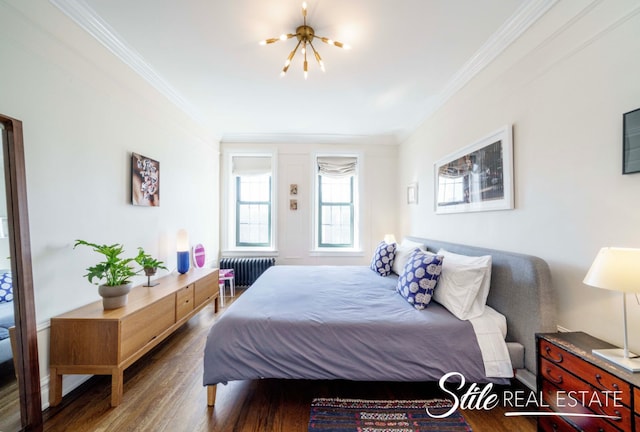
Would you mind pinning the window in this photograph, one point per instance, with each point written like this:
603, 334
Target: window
252, 216
336, 202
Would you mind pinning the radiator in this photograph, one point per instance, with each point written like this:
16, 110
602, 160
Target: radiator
246, 270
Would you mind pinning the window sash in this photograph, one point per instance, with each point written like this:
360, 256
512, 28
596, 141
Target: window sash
322, 205
239, 206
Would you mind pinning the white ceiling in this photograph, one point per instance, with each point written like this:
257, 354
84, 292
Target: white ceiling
407, 57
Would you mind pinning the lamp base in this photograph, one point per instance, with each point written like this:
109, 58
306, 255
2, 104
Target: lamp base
616, 355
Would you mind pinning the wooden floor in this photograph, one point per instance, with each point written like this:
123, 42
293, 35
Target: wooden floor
163, 392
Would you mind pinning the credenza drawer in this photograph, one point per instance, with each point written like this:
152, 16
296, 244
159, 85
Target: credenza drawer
588, 372
555, 424
184, 302
206, 288
561, 401
141, 327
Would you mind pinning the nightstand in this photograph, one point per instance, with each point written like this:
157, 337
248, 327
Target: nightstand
571, 380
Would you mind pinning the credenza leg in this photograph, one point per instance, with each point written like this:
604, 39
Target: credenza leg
211, 395
117, 379
55, 387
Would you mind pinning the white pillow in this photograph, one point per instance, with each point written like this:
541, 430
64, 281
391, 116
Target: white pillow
464, 294
403, 251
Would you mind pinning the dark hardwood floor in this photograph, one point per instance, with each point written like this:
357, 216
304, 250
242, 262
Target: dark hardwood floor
163, 392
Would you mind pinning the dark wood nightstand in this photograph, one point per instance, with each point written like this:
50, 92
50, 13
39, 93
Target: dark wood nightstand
573, 380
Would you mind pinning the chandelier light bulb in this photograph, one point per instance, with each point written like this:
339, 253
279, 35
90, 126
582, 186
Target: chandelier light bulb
283, 37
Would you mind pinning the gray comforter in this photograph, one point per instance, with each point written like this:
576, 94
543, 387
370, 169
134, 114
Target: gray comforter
337, 322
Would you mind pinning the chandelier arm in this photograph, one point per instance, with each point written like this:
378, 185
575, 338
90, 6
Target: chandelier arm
317, 55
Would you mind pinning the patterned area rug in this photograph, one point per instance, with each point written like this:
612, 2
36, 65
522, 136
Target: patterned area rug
356, 415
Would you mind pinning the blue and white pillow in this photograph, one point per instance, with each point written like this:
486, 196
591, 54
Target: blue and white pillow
6, 287
419, 278
382, 260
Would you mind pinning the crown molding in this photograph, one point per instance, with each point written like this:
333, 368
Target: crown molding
88, 19
257, 138
511, 30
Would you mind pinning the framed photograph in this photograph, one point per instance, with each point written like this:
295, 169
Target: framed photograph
145, 181
631, 142
478, 177
293, 189
412, 193
293, 204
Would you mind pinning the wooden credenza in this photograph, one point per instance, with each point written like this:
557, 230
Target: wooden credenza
91, 340
569, 374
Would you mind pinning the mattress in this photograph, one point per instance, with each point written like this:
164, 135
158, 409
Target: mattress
338, 322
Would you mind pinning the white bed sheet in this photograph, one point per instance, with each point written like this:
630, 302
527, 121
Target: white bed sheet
491, 329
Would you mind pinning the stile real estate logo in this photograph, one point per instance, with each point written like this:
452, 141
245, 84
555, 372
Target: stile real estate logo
566, 403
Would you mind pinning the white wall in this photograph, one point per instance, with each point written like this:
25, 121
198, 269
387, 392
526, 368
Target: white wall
564, 92
294, 228
83, 113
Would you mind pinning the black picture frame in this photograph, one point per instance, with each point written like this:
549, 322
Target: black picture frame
631, 142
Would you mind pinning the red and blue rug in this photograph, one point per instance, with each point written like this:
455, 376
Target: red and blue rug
356, 415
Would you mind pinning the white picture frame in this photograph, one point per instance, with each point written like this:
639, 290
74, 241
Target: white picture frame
478, 177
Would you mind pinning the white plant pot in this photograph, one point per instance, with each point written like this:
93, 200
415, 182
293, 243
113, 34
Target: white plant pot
114, 297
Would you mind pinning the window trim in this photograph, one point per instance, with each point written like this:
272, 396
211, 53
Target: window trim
228, 223
350, 204
356, 249
237, 242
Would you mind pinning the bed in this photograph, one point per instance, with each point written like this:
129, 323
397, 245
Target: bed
7, 319
344, 322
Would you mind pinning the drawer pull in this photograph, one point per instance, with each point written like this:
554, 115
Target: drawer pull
615, 386
548, 350
552, 379
616, 413
554, 426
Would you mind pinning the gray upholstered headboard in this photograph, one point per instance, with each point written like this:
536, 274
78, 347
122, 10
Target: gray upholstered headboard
520, 290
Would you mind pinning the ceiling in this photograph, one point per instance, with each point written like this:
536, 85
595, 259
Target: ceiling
407, 58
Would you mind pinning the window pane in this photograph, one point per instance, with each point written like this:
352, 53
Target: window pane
335, 189
253, 209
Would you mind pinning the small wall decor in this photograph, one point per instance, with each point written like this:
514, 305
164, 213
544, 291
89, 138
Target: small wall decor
631, 142
412, 193
293, 204
199, 256
478, 177
145, 181
293, 189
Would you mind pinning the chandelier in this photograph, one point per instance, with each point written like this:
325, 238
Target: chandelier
305, 35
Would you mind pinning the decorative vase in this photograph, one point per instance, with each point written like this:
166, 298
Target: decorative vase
115, 296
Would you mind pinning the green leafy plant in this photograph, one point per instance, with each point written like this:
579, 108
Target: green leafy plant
114, 270
145, 260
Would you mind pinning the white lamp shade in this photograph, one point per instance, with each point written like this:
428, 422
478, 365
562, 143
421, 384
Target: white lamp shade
182, 241
615, 269
389, 238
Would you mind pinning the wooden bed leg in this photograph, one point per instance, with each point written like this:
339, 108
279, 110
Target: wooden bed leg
211, 395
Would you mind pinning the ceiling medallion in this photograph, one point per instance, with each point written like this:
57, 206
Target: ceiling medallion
305, 35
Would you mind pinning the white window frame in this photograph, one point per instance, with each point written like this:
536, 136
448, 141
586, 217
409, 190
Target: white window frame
356, 250
228, 224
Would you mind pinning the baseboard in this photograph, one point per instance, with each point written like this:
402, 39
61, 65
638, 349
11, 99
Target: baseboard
69, 383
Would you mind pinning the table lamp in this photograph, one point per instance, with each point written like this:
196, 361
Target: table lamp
617, 269
182, 246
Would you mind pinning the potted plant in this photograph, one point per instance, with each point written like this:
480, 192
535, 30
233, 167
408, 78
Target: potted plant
149, 264
115, 273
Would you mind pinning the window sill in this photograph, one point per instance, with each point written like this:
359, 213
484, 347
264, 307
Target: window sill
336, 252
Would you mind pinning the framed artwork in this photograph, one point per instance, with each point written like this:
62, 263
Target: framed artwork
631, 142
293, 189
145, 181
293, 204
412, 193
478, 177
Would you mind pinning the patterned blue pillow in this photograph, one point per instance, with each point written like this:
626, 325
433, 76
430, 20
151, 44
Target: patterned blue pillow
383, 258
419, 278
6, 287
